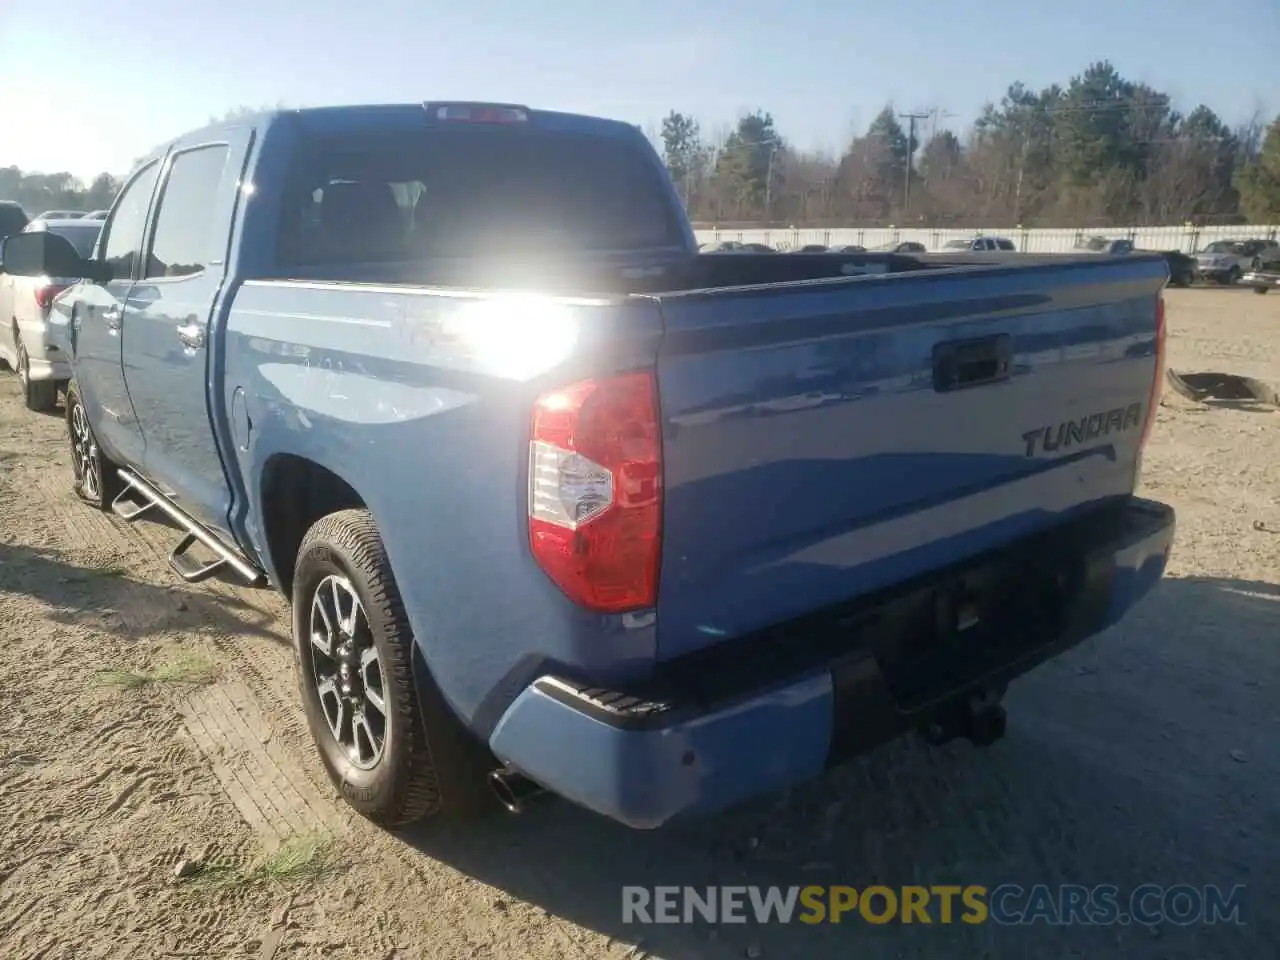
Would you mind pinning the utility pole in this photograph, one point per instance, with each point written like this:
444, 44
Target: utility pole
772, 143
911, 119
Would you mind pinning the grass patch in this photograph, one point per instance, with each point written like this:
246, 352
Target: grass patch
185, 671
300, 859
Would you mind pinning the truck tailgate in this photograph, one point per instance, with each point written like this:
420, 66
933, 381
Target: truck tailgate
824, 440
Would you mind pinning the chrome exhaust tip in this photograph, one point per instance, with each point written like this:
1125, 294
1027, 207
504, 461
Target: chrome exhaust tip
513, 790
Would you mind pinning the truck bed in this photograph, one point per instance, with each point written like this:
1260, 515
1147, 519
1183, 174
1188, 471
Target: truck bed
808, 456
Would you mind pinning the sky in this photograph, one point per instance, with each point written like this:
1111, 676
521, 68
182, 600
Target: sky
118, 77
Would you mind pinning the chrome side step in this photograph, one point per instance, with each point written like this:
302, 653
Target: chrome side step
139, 496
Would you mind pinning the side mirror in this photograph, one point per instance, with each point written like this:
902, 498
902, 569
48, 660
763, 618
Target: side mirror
44, 255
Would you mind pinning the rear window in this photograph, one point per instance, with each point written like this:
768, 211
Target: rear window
82, 238
468, 194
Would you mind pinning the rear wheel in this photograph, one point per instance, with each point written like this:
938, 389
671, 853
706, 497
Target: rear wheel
1259, 290
94, 476
391, 745
38, 395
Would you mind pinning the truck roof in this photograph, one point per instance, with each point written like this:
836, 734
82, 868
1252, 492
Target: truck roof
337, 120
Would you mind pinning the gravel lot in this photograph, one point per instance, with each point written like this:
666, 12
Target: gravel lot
159, 796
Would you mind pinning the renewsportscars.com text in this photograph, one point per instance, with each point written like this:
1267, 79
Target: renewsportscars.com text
1006, 904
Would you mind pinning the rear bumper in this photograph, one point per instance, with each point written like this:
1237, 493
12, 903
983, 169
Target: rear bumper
48, 368
44, 359
1260, 280
758, 714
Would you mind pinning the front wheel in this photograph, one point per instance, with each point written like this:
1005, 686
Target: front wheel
38, 395
1259, 290
391, 746
94, 476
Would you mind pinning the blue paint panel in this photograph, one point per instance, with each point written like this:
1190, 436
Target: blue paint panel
421, 403
644, 778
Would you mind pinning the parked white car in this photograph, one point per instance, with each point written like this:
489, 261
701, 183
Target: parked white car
25, 304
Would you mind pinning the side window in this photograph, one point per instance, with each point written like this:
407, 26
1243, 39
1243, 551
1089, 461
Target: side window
123, 232
184, 235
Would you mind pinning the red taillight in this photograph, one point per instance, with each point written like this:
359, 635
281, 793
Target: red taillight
1157, 377
595, 491
46, 292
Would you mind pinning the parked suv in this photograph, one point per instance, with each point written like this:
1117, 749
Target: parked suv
1225, 261
981, 243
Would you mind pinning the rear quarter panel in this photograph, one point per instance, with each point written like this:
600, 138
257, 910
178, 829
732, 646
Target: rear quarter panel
420, 401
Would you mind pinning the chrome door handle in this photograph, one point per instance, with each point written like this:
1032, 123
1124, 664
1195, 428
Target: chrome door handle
191, 335
113, 316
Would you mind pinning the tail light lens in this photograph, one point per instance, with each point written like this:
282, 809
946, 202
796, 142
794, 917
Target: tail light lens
1157, 376
45, 294
595, 491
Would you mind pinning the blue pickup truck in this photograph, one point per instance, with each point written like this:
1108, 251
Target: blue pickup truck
562, 504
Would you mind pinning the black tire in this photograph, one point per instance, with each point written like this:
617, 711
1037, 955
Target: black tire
428, 763
1260, 290
38, 395
94, 476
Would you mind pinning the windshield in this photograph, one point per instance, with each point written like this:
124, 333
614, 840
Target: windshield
471, 193
957, 245
1223, 246
81, 237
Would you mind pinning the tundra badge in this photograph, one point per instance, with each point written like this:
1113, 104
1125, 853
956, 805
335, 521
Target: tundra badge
1072, 432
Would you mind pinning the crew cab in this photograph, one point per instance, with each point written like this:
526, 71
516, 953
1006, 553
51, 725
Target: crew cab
562, 504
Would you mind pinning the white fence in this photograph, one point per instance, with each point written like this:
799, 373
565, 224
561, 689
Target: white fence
1184, 238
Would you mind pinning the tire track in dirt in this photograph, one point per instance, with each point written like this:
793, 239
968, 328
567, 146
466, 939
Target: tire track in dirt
267, 784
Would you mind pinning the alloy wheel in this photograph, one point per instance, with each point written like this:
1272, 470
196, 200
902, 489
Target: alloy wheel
347, 671
84, 453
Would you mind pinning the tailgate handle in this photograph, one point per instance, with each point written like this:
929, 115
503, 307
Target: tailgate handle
959, 364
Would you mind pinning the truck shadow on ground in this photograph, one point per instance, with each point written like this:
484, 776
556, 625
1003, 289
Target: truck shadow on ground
1147, 755
110, 599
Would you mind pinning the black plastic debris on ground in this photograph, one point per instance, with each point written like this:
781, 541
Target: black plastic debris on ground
1227, 388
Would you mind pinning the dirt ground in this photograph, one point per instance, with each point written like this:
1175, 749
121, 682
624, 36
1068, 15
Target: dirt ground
159, 796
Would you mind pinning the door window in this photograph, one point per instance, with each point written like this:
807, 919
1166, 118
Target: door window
184, 236
123, 230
